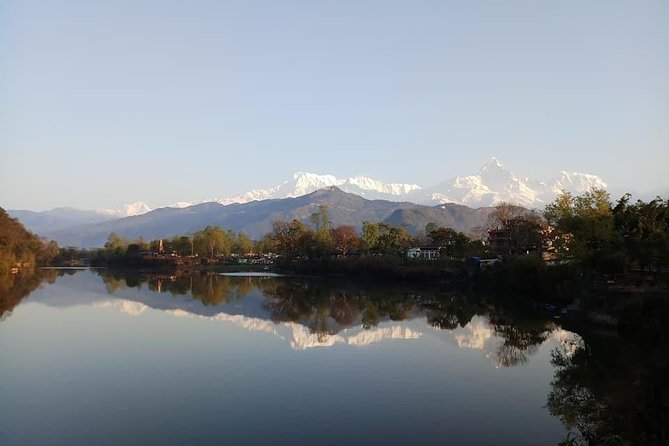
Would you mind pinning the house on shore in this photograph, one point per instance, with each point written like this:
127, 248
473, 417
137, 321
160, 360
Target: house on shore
424, 253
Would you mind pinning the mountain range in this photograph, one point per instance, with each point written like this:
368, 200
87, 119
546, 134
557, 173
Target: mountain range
255, 218
491, 185
463, 203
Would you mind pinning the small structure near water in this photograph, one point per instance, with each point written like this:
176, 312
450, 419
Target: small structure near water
424, 253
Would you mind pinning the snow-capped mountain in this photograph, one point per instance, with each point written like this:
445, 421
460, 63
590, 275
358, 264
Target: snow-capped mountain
128, 210
303, 183
492, 184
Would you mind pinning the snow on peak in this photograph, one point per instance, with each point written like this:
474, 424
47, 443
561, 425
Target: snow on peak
182, 204
136, 208
492, 185
494, 163
302, 183
576, 183
128, 210
369, 184
305, 182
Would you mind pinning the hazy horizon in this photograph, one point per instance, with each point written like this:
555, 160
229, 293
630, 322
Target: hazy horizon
108, 104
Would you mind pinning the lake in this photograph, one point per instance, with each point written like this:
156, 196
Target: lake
98, 357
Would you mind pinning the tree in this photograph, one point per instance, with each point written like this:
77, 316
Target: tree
515, 231
643, 229
116, 243
584, 224
20, 246
48, 253
114, 249
133, 250
212, 242
345, 239
392, 240
505, 213
370, 236
430, 227
321, 224
183, 245
242, 244
449, 241
292, 239
561, 208
382, 238
266, 244
320, 220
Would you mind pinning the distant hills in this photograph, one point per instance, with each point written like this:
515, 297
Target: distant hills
57, 219
351, 201
256, 218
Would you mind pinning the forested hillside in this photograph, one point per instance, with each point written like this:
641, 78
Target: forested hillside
20, 246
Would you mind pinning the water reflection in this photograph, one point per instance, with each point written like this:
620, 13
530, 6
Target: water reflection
611, 392
604, 390
320, 313
15, 287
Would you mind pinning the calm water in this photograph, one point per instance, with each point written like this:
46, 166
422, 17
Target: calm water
96, 358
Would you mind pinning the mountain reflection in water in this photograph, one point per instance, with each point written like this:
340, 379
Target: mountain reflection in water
318, 313
601, 389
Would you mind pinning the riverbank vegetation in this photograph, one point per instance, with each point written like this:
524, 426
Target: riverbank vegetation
20, 248
576, 239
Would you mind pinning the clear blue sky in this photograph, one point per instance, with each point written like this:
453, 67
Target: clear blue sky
108, 102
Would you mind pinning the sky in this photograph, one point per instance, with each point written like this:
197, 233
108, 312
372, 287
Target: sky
104, 103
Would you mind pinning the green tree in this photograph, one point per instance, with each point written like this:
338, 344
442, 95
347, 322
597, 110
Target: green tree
382, 238
212, 242
450, 242
242, 244
584, 224
182, 245
370, 236
643, 229
320, 222
392, 240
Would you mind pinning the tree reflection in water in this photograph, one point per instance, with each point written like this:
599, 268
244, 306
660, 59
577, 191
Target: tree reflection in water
611, 392
210, 288
521, 338
605, 389
16, 287
326, 307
